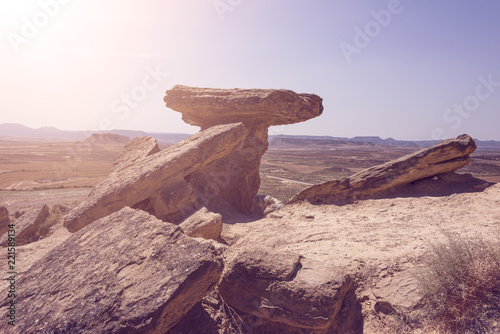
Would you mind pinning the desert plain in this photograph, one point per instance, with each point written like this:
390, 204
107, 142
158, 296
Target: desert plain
379, 242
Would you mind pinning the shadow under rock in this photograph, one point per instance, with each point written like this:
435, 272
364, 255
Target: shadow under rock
440, 185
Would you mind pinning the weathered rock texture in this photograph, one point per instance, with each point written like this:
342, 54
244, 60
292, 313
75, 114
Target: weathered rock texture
126, 273
206, 107
203, 224
283, 287
157, 183
27, 225
442, 158
137, 149
235, 178
397, 293
4, 220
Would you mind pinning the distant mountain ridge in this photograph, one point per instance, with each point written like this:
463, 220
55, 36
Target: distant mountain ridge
19, 131
371, 140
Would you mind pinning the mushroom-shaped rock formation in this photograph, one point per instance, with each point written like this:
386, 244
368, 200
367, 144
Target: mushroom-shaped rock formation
236, 176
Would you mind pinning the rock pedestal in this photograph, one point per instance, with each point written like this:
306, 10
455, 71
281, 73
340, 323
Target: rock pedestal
236, 176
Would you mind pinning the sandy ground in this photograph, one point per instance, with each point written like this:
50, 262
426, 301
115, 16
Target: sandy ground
369, 236
372, 231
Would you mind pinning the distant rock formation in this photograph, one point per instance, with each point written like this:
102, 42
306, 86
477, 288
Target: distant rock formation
106, 138
236, 176
126, 273
445, 157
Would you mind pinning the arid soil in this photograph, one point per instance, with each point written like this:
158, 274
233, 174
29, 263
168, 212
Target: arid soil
371, 239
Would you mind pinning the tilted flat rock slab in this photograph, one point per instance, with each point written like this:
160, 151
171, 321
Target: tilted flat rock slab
137, 149
445, 157
207, 107
160, 173
283, 287
126, 273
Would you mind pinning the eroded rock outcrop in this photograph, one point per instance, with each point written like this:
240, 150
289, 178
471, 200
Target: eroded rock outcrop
126, 273
203, 224
28, 224
157, 183
261, 108
442, 158
137, 149
235, 178
283, 287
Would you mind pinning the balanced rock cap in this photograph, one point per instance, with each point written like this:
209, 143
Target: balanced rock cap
206, 107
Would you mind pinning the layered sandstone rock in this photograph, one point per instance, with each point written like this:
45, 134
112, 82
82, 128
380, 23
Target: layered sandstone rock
28, 224
442, 158
203, 224
137, 149
157, 183
282, 287
126, 273
235, 178
261, 108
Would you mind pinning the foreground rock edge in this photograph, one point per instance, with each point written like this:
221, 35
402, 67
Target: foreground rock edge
127, 272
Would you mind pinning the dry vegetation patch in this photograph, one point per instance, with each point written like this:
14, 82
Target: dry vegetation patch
461, 284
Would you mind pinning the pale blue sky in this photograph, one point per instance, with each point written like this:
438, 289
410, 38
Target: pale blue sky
408, 69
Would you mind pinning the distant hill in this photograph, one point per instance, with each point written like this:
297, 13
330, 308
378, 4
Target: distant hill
294, 142
18, 131
283, 140
14, 130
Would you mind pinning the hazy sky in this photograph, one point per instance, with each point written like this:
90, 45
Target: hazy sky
408, 69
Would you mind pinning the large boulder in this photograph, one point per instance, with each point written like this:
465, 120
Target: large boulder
137, 149
126, 273
283, 287
27, 225
235, 178
157, 183
445, 157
